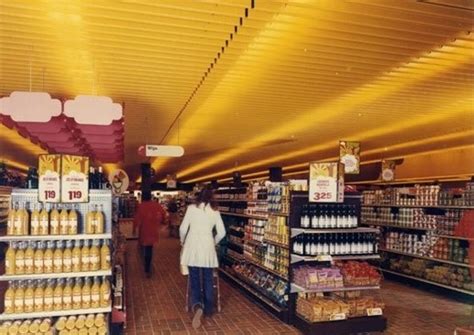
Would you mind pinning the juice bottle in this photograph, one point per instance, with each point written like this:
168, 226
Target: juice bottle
76, 257
38, 297
99, 320
35, 221
77, 295
94, 257
90, 319
67, 257
11, 221
38, 259
71, 322
67, 295
14, 328
99, 220
24, 327
61, 323
48, 258
29, 297
72, 230
95, 294
86, 294
18, 221
105, 256
29, 258
25, 224
44, 221
58, 296
54, 222
85, 257
45, 325
19, 300
48, 296
64, 222
10, 299
20, 260
105, 293
93, 330
80, 322
10, 259
34, 326
4, 327
90, 222
58, 258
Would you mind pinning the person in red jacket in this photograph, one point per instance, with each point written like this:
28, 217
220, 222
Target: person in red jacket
148, 218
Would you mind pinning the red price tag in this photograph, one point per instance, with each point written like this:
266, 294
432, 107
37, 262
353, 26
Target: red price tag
322, 195
49, 195
75, 195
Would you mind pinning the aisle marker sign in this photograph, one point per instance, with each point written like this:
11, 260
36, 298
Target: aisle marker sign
49, 182
349, 155
74, 179
326, 182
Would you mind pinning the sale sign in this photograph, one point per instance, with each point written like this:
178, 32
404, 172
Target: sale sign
74, 178
49, 182
326, 182
349, 155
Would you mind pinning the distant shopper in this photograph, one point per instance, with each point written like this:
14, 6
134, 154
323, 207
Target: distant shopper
199, 251
148, 218
173, 219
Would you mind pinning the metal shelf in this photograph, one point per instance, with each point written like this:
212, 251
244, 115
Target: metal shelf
328, 258
427, 258
8, 238
37, 315
299, 231
420, 206
471, 293
371, 223
278, 244
57, 275
296, 288
279, 214
245, 216
273, 272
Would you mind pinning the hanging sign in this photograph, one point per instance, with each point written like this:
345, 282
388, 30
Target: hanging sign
388, 170
74, 178
49, 182
151, 150
349, 155
119, 181
326, 182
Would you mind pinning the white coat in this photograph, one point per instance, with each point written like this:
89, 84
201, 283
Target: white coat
196, 235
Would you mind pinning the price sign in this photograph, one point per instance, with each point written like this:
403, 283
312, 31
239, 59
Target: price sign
49, 182
374, 311
326, 182
337, 316
74, 178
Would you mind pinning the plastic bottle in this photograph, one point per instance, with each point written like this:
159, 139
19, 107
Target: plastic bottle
18, 221
11, 221
35, 221
64, 222
20, 260
38, 262
73, 222
44, 221
85, 257
29, 297
58, 296
95, 294
86, 294
67, 257
94, 257
90, 320
25, 223
105, 293
14, 328
76, 257
54, 222
90, 222
19, 301
24, 327
45, 325
58, 258
80, 322
10, 259
9, 301
48, 296
60, 323
67, 295
99, 320
48, 258
71, 322
38, 297
99, 221
77, 295
34, 326
29, 258
105, 256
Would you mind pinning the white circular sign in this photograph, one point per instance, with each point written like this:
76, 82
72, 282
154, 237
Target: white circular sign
119, 181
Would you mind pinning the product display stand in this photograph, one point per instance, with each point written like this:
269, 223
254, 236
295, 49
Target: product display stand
340, 323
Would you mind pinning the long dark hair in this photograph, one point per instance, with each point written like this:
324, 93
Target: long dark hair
206, 197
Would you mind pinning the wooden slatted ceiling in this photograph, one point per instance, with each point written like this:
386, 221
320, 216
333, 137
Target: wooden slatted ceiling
295, 78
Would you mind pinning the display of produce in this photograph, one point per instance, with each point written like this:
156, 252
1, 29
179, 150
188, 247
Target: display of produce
335, 244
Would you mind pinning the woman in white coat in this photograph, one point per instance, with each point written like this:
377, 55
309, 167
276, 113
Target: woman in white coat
199, 251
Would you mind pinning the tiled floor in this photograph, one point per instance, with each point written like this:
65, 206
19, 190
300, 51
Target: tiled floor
156, 305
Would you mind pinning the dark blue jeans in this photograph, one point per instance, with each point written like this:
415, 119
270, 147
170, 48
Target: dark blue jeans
201, 280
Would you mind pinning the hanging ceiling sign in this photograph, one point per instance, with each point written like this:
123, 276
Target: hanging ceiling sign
119, 181
349, 155
388, 170
49, 181
326, 182
74, 178
151, 150
30, 106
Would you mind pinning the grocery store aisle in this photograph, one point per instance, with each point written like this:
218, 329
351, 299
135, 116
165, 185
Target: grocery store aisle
156, 305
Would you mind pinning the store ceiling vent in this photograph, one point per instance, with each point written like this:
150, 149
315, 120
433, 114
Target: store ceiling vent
458, 4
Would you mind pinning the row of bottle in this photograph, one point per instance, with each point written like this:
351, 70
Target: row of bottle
57, 295
56, 257
328, 216
97, 179
56, 222
335, 244
37, 326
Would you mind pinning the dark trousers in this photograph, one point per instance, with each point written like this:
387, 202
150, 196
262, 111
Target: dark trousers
202, 278
147, 255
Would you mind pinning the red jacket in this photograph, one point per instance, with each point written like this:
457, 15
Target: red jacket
148, 218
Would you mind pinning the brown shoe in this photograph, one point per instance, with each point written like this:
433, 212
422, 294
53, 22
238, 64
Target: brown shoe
197, 318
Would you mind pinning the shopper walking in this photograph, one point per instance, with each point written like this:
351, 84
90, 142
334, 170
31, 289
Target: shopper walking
199, 251
173, 219
148, 219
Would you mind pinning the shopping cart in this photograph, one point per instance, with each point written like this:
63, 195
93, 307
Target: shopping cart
216, 289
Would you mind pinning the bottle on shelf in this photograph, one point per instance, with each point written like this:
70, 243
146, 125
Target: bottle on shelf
63, 221
99, 220
85, 257
77, 295
18, 220
10, 259
90, 221
39, 297
305, 219
54, 221
67, 257
86, 294
11, 219
19, 300
105, 256
105, 293
29, 297
48, 299
20, 259
314, 214
92, 178
35, 221
34, 326
58, 296
73, 222
48, 258
24, 327
9, 299
44, 221
67, 294
58, 258
25, 224
94, 256
29, 258
95, 294
76, 257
